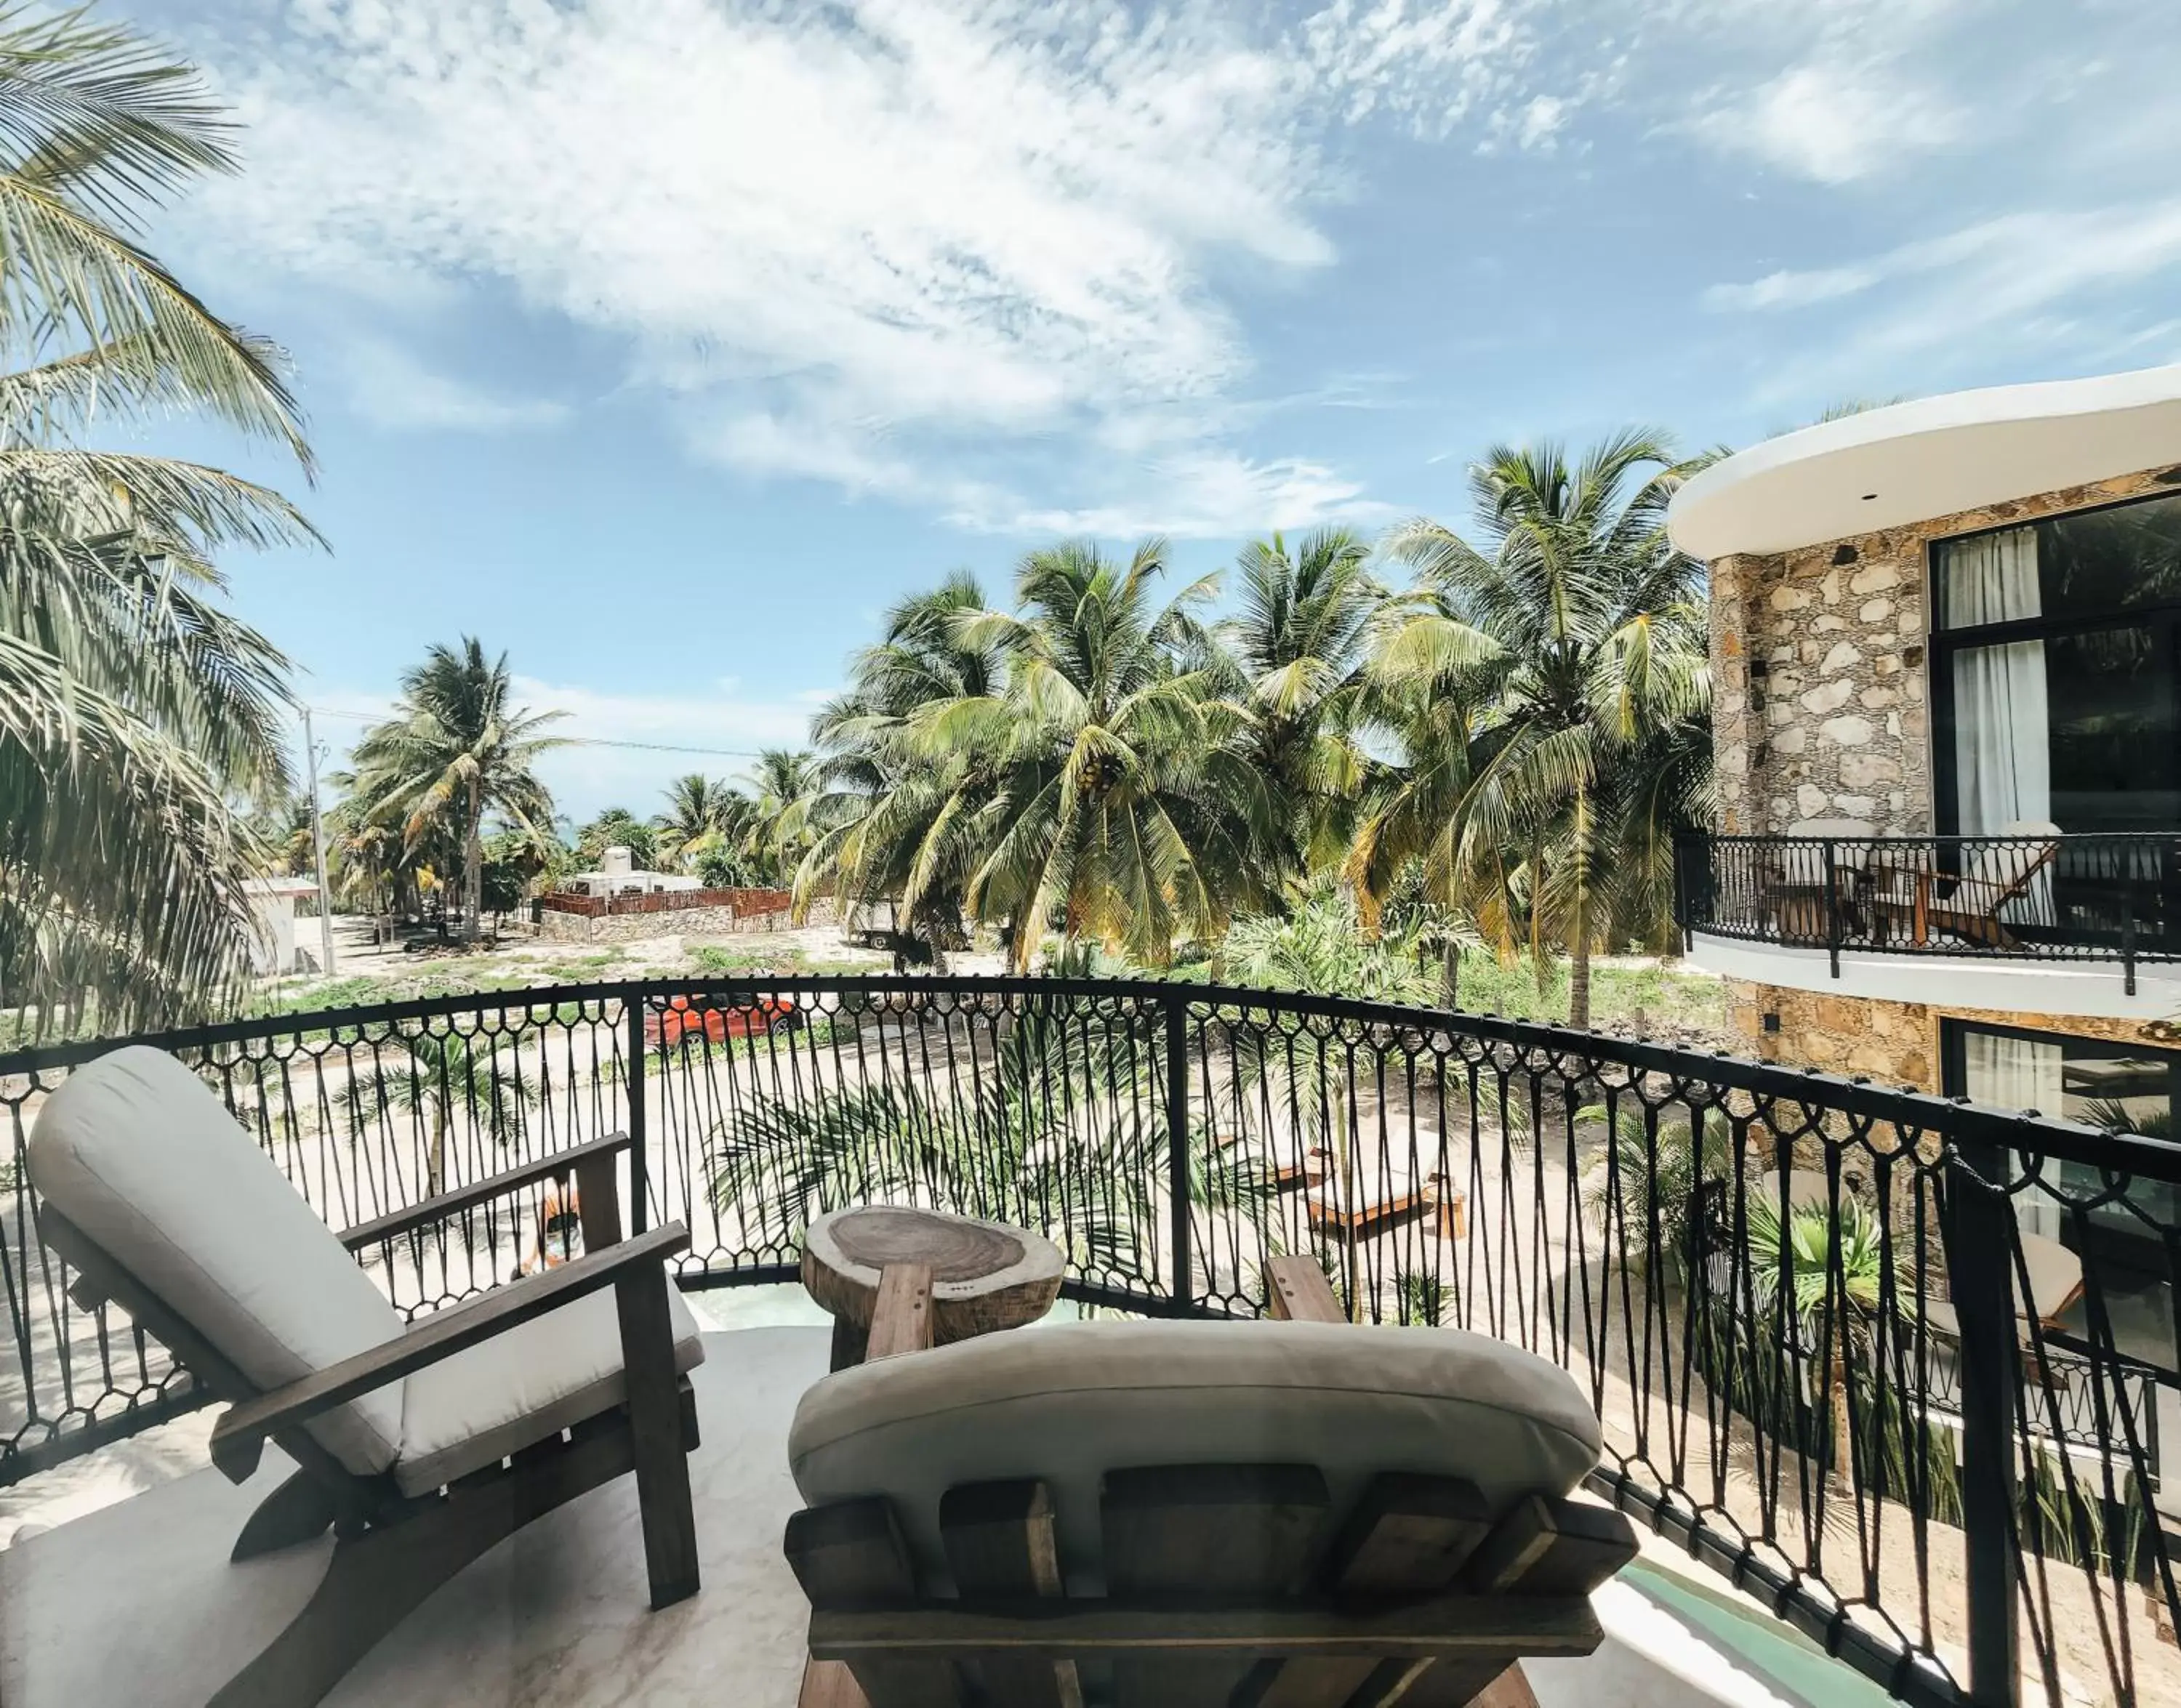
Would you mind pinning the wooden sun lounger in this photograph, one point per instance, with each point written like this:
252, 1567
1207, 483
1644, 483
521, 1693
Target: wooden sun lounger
1227, 1586
1372, 1200
1973, 907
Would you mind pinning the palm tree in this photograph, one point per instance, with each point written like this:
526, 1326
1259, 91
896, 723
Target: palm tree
133, 711
1296, 646
888, 818
454, 751
1124, 803
363, 855
282, 828
1825, 1270
618, 828
1576, 631
703, 816
785, 779
1404, 836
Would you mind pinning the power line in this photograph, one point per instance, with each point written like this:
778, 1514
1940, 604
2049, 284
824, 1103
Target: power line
581, 741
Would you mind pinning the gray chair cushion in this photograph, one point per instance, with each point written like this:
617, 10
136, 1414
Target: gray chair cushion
1069, 1402
538, 1378
138, 1153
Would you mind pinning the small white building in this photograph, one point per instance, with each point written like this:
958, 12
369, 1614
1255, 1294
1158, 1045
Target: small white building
619, 875
273, 924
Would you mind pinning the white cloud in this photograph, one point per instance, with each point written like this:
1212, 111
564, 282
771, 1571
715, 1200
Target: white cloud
1540, 121
1793, 290
864, 242
971, 255
1206, 493
389, 387
1834, 92
2032, 276
1837, 122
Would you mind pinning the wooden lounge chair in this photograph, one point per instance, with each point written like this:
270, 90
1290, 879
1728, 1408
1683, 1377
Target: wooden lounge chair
1194, 1515
1996, 875
420, 1446
2054, 1275
1373, 1199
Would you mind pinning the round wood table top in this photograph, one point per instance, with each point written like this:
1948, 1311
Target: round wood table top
986, 1275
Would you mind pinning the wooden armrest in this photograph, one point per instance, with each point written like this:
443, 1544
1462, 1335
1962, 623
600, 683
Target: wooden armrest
1297, 1290
447, 1203
1984, 892
240, 1435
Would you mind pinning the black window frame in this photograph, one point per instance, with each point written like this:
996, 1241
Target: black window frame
2163, 620
2142, 1251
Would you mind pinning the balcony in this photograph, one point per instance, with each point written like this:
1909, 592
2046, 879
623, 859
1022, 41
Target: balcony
2058, 924
1829, 1364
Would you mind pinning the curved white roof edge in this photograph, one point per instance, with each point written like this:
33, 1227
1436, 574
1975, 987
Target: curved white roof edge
1931, 457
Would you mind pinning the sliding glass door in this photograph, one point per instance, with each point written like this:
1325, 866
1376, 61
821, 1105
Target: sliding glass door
2119, 1231
2056, 684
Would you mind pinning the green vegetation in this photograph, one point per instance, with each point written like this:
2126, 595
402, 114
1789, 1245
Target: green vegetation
139, 719
1577, 635
724, 962
1648, 999
1499, 754
450, 1083
706, 829
455, 749
437, 977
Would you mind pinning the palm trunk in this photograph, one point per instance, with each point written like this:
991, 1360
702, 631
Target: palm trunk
1449, 973
435, 1164
1579, 968
473, 866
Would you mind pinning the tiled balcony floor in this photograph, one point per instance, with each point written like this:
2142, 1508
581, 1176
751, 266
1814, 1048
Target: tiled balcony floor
137, 1603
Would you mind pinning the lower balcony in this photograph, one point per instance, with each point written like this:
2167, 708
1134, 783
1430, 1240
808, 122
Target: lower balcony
1842, 1346
2037, 922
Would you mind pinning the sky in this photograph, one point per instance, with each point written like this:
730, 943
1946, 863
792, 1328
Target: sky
663, 344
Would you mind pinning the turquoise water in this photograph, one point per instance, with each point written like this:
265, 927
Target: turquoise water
1789, 1662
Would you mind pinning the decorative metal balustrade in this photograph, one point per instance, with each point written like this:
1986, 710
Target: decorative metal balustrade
2111, 898
1800, 1304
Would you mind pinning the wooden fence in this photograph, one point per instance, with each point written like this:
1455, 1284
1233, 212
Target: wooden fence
745, 903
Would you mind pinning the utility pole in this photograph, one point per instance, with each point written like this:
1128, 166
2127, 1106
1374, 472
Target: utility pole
318, 849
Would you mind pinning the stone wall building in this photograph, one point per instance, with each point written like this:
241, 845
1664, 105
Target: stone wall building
1819, 656
1832, 682
1821, 710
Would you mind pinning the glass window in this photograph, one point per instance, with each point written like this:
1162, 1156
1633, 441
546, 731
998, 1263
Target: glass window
1989, 578
2096, 562
2071, 714
2115, 730
2124, 1090
2118, 559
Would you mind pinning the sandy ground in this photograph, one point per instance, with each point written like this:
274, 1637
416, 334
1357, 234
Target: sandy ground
519, 953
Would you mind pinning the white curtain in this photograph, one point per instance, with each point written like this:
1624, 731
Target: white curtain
2018, 1073
2002, 738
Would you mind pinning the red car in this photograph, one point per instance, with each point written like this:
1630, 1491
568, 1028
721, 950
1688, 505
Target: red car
716, 1019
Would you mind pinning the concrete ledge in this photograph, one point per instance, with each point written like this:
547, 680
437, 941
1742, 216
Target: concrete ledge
2090, 989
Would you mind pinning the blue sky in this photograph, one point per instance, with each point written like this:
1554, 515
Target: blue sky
662, 343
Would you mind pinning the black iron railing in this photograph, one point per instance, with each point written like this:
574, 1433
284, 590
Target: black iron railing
1828, 1353
2113, 898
